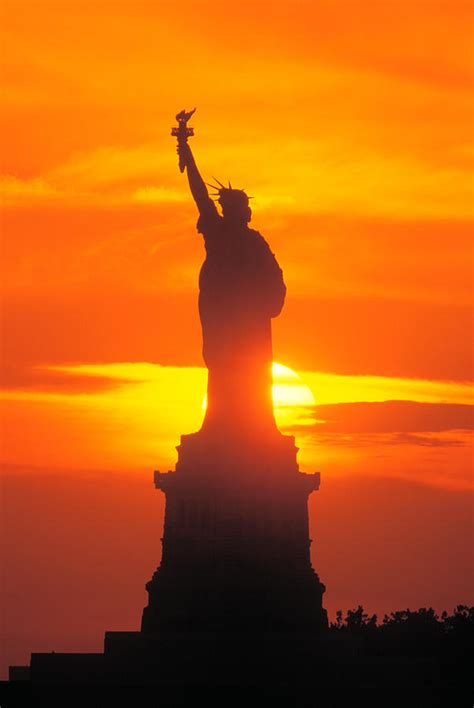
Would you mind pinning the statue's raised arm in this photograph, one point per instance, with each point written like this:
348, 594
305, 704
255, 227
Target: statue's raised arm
186, 160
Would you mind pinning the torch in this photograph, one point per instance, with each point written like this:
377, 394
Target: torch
182, 131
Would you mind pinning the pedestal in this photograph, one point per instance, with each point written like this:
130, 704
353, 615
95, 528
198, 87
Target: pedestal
236, 547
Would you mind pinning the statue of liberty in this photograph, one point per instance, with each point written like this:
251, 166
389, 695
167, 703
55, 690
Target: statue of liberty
241, 289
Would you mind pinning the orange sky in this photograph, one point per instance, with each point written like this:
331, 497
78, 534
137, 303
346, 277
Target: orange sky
351, 125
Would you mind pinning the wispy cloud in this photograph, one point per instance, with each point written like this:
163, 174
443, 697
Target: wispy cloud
393, 417
14, 189
376, 440
319, 176
127, 414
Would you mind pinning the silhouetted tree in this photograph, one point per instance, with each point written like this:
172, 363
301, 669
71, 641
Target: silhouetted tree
406, 633
462, 619
359, 620
355, 620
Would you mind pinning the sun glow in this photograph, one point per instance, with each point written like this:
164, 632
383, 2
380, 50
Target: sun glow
288, 389
293, 400
128, 415
291, 397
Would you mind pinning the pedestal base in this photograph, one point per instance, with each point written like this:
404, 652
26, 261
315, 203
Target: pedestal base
236, 551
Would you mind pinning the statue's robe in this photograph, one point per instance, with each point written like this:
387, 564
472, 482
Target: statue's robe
241, 288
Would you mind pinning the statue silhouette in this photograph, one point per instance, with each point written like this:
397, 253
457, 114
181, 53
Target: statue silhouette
241, 289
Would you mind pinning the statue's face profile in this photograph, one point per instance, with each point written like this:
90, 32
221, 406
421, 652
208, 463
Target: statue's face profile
235, 206
237, 216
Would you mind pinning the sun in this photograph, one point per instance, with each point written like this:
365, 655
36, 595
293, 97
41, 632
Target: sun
288, 389
293, 400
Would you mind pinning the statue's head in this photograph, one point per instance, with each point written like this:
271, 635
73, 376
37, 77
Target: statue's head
234, 204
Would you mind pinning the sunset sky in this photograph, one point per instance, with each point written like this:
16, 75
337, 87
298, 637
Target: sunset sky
351, 124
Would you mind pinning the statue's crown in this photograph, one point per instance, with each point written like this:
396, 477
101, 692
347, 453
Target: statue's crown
228, 195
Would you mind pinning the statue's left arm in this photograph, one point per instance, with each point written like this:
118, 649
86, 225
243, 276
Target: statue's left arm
270, 280
279, 288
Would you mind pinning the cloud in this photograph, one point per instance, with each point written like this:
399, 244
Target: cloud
399, 417
374, 441
126, 414
335, 175
330, 388
110, 165
373, 428
426, 441
13, 189
51, 380
106, 174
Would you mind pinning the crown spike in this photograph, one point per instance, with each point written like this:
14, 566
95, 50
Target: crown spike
219, 183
